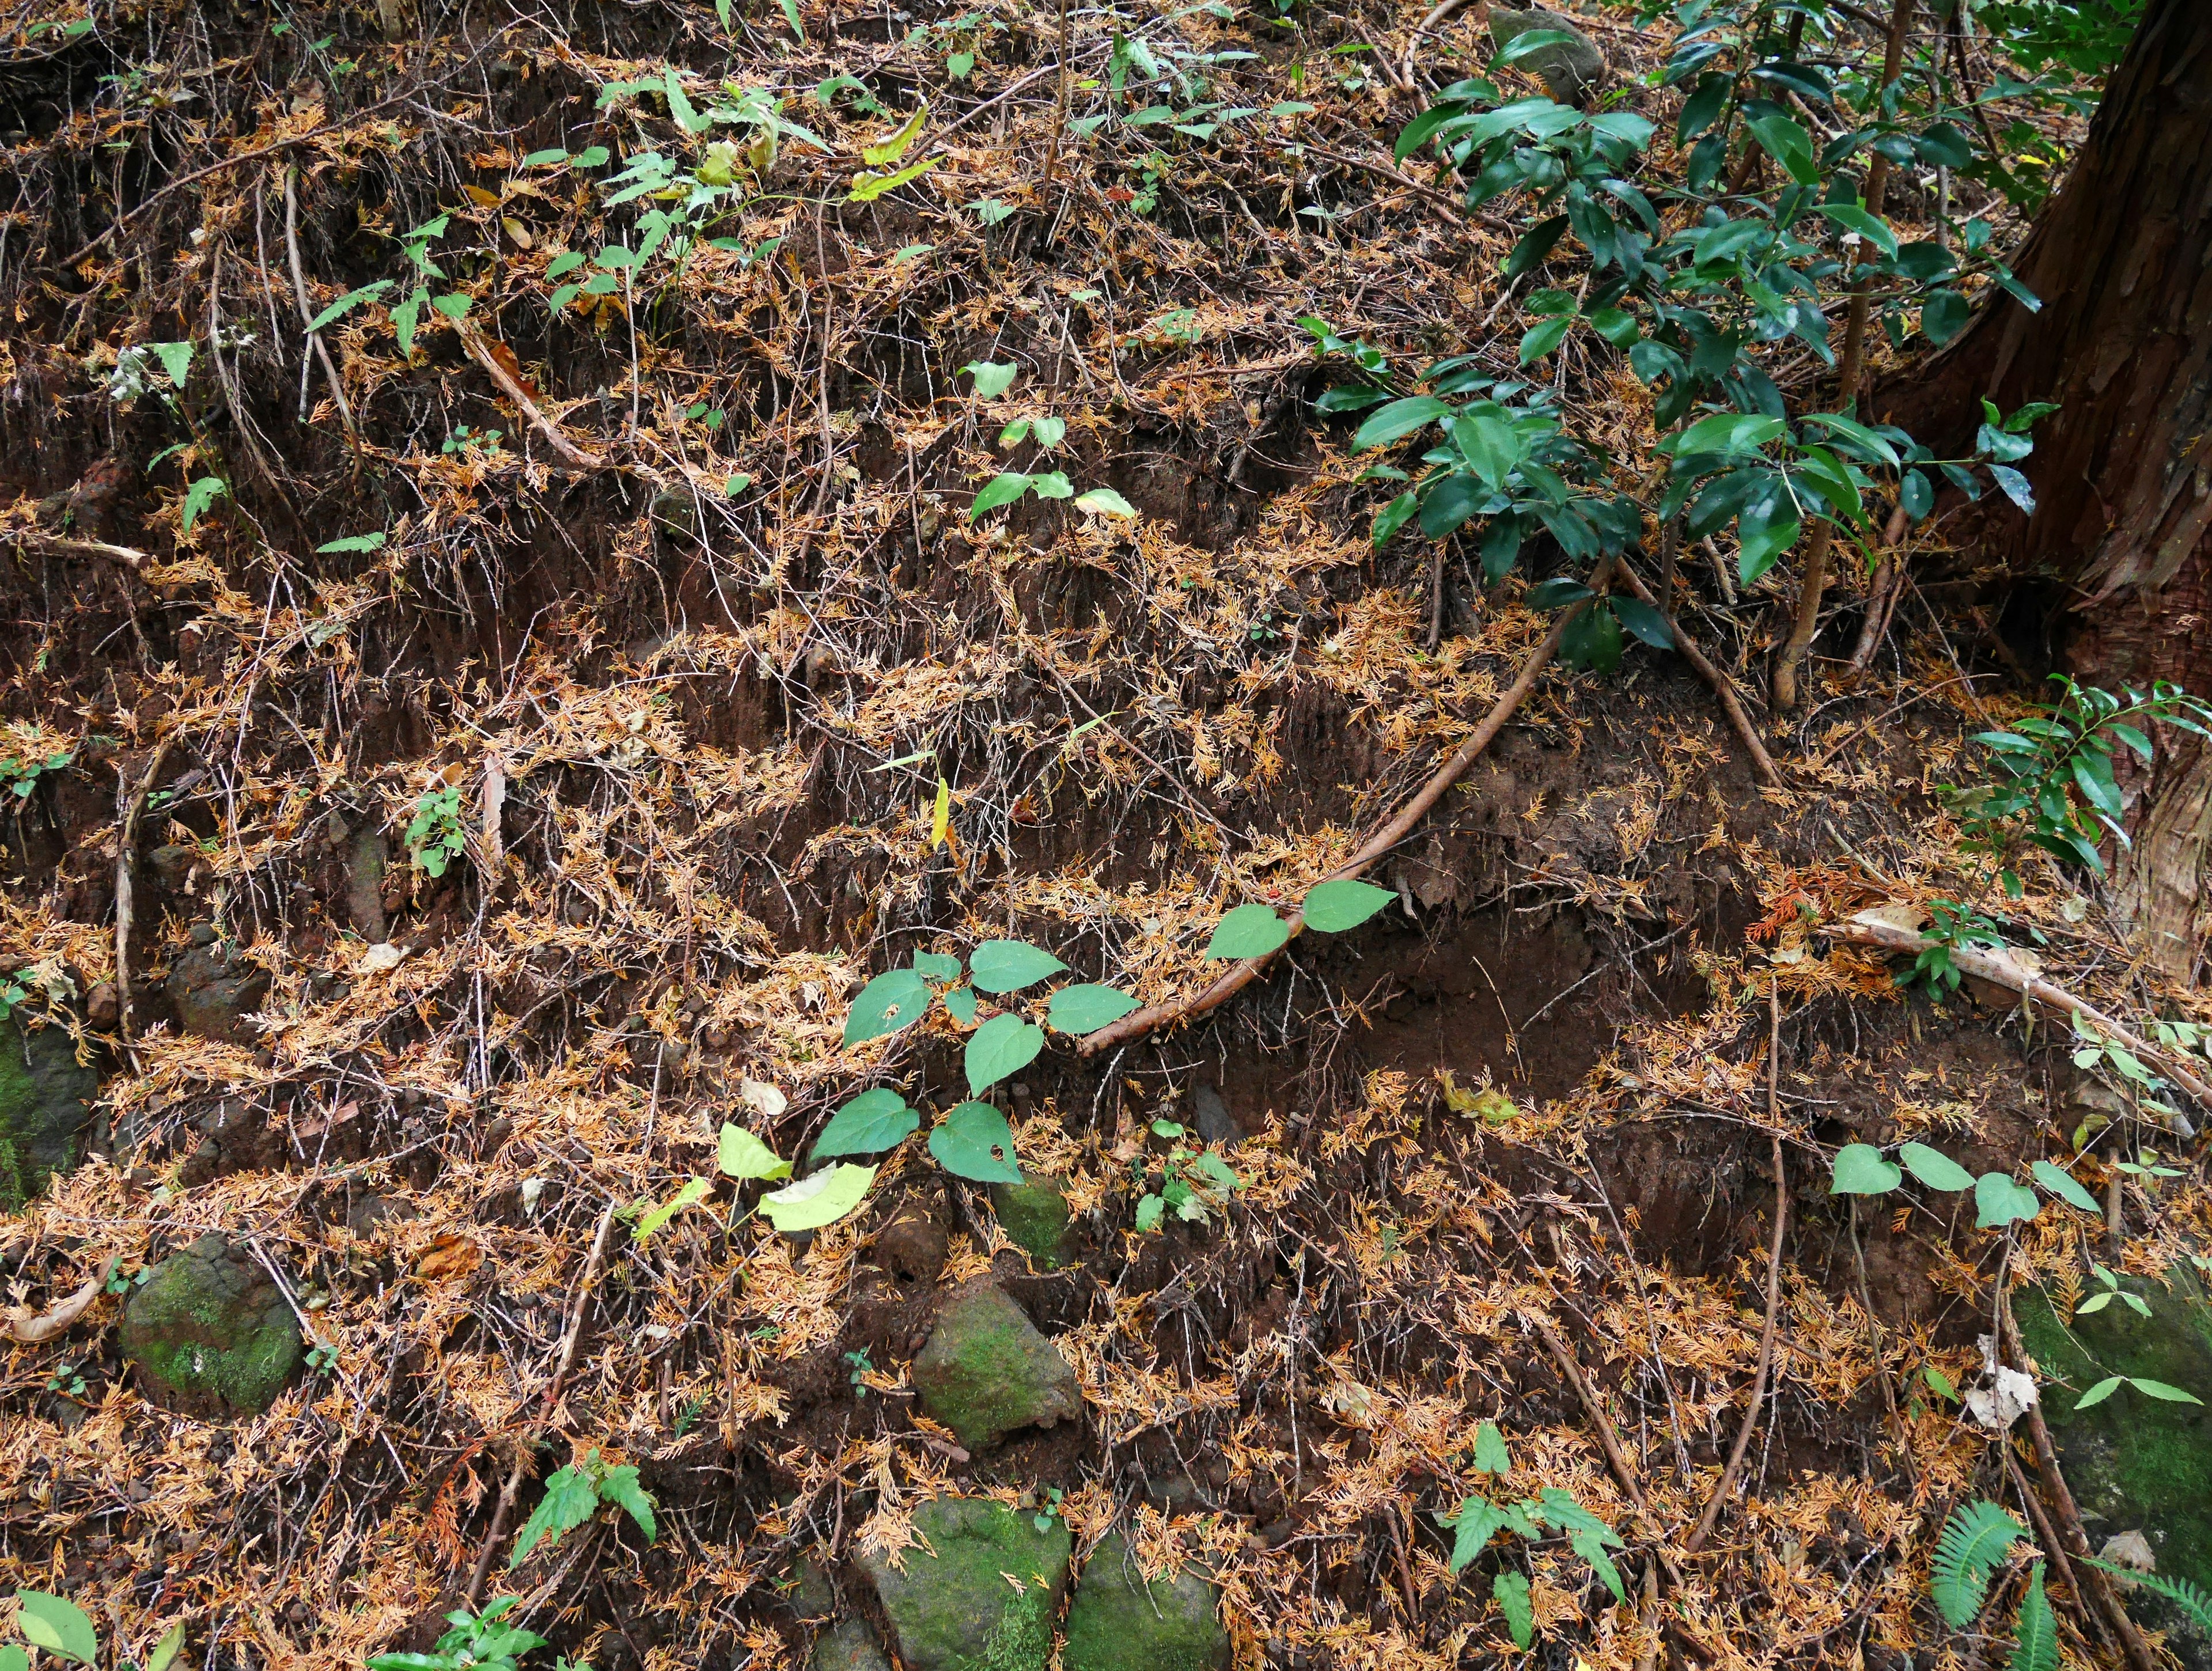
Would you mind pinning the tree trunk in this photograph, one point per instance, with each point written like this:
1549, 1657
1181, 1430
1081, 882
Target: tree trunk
2123, 472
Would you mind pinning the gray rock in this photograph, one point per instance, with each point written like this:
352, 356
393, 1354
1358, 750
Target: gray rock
987, 1371
1119, 1623
985, 1600
851, 1647
1215, 1124
1034, 1213
213, 990
1571, 69
45, 1108
210, 1334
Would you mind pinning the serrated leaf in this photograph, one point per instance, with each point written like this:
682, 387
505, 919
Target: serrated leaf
1004, 1044
2062, 1184
620, 1486
1934, 1169
871, 1123
1511, 1591
2035, 1630
974, 1142
1479, 1521
337, 309
1334, 907
570, 1500
741, 1155
891, 1001
1249, 931
1973, 1540
1861, 1170
176, 359
352, 543
820, 1198
1085, 1009
1490, 1455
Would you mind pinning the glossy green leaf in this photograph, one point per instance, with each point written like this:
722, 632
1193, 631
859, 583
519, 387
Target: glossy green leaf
868, 1125
1934, 1169
1249, 931
1333, 906
822, 1199
974, 1142
1398, 420
2062, 1184
1645, 621
1999, 1200
1003, 488
1004, 1044
998, 966
1085, 1009
891, 1001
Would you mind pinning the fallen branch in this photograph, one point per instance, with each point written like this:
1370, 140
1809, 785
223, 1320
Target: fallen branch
307, 313
1726, 1488
32, 1329
1437, 14
480, 351
129, 556
529, 1440
1999, 967
1437, 200
2099, 1589
1608, 1435
1152, 1016
1761, 762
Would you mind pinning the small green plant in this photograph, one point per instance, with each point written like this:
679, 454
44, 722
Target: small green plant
1950, 926
1972, 1545
1195, 1182
862, 1369
2190, 1598
477, 1642
465, 440
322, 1357
2112, 1291
14, 990
1999, 1200
21, 774
67, 1379
2054, 786
1051, 1511
1478, 1519
434, 835
573, 1494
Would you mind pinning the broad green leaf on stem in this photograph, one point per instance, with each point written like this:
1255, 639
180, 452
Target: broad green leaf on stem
1399, 419
1851, 429
2062, 1184
1052, 484
2159, 1389
1249, 931
404, 317
1789, 145
1479, 1521
998, 966
1085, 1009
992, 379
868, 1125
1001, 490
354, 542
1861, 1170
60, 1627
176, 359
570, 1499
1727, 434
1934, 1169
1511, 1591
1855, 218
1333, 906
823, 1197
888, 1002
1645, 621
166, 1650
620, 1487
937, 965
2103, 1390
1004, 1044
741, 1155
690, 1195
1999, 1200
198, 496
893, 146
867, 187
960, 1005
1150, 1210
1104, 502
972, 1142
680, 108
1491, 444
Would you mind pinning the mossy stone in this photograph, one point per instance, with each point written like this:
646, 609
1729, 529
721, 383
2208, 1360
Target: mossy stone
210, 1332
1569, 70
2136, 1463
1034, 1213
850, 1647
986, 1599
987, 1371
45, 1108
1118, 1622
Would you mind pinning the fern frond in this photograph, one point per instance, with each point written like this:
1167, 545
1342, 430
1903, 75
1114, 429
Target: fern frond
2192, 1599
1973, 1540
2035, 1632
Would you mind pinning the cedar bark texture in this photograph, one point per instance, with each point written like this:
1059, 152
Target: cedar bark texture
2123, 472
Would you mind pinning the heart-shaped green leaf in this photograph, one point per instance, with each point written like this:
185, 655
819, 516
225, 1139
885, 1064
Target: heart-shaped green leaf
1934, 1169
871, 1122
1004, 1044
891, 1001
999, 966
1861, 1170
1333, 906
974, 1142
2000, 1201
1085, 1009
821, 1199
1249, 931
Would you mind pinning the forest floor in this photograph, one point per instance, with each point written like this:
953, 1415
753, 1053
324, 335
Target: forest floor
666, 604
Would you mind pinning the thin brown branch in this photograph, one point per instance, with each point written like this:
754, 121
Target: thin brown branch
1723, 687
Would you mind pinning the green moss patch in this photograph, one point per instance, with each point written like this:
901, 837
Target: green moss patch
985, 1600
987, 1371
1118, 1622
210, 1334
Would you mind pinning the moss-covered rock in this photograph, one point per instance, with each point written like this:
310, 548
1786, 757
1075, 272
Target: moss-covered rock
956, 1609
2136, 1463
210, 1334
850, 1647
45, 1108
1034, 1213
987, 1371
1119, 1623
1570, 70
